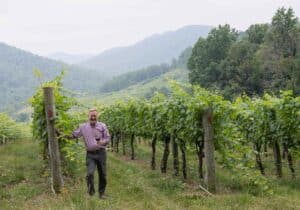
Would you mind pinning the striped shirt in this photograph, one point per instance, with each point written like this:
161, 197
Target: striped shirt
90, 134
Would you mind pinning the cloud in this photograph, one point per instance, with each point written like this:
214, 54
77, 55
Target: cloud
96, 2
79, 26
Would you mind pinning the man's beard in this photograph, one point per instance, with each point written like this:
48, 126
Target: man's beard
93, 123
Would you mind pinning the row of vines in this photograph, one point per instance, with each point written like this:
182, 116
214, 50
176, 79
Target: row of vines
10, 130
244, 130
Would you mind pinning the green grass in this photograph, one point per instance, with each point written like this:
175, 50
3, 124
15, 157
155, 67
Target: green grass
20, 173
131, 185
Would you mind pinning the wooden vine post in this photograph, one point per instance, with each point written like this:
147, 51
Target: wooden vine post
209, 148
55, 165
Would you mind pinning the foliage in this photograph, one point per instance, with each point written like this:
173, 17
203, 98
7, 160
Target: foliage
265, 59
208, 53
241, 128
65, 121
9, 129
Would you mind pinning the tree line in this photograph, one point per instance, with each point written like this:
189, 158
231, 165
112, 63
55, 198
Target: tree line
265, 58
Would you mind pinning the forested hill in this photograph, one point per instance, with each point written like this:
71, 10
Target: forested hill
148, 74
18, 81
159, 48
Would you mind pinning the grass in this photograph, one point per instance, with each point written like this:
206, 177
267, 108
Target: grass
20, 173
131, 185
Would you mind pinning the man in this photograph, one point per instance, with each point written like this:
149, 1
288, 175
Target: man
96, 138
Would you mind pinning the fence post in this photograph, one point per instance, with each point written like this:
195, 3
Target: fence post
57, 181
209, 149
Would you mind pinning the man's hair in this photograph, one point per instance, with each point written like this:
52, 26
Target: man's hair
93, 110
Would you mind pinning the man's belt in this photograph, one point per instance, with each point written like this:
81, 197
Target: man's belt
95, 151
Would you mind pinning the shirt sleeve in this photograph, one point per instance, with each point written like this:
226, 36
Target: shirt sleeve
106, 135
77, 133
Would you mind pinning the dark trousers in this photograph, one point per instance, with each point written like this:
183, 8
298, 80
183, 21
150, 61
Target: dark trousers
93, 159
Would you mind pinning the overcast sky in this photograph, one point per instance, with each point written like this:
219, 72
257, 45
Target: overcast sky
91, 26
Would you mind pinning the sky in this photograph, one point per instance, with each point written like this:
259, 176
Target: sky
91, 26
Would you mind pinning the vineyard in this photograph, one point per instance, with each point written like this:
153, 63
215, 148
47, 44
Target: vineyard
244, 132
159, 151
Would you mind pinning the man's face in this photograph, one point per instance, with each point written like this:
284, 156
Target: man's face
93, 118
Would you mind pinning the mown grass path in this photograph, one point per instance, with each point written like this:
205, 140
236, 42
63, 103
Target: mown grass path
131, 185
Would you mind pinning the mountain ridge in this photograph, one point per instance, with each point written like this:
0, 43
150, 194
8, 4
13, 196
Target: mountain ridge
155, 49
17, 78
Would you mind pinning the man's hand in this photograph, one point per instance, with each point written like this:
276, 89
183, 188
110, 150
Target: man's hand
60, 134
101, 142
71, 136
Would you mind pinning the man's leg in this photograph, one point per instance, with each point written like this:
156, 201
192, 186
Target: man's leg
101, 166
91, 166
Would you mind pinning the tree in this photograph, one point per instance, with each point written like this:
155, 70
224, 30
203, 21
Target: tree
284, 32
256, 33
208, 53
279, 53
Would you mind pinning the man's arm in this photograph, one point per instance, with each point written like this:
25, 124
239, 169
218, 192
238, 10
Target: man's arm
74, 135
106, 137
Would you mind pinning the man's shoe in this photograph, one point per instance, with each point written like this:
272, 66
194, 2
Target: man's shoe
102, 196
91, 192
90, 185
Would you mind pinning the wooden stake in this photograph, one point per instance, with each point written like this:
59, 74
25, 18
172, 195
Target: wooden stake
209, 149
57, 181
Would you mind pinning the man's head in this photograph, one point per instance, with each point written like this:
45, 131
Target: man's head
93, 114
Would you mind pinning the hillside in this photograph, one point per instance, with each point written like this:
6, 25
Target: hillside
130, 78
160, 84
18, 81
143, 89
159, 48
145, 75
